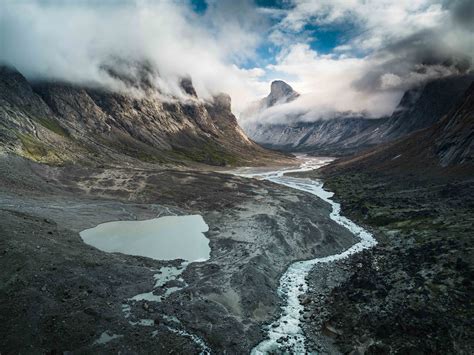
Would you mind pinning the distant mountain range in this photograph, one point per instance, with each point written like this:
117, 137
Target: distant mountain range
419, 108
58, 122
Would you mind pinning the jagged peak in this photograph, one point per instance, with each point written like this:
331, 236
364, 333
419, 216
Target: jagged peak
223, 101
186, 84
280, 92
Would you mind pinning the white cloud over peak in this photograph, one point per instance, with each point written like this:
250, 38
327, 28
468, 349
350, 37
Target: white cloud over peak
392, 46
72, 42
386, 47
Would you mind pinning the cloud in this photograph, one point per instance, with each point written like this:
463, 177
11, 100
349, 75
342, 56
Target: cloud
325, 82
388, 46
75, 41
393, 46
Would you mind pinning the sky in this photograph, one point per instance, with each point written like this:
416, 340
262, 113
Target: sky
340, 55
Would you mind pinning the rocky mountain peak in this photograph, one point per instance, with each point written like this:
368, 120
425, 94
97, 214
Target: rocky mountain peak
280, 92
222, 101
187, 85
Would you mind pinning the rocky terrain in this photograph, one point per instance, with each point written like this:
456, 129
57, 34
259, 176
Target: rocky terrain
74, 157
60, 294
413, 292
55, 123
348, 133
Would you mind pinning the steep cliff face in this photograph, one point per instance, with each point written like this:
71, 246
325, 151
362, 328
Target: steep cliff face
419, 108
280, 92
454, 135
332, 136
447, 147
28, 126
97, 124
423, 106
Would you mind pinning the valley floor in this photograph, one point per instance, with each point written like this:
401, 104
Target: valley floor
58, 294
412, 293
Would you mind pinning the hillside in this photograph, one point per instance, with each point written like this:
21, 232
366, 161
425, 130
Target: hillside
445, 148
413, 292
56, 122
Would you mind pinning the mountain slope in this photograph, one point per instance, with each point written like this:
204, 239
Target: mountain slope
334, 136
419, 108
57, 122
445, 148
422, 107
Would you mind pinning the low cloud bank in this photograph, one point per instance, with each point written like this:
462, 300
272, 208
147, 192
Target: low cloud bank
391, 46
77, 41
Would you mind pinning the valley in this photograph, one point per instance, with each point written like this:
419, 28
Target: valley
78, 291
277, 268
237, 177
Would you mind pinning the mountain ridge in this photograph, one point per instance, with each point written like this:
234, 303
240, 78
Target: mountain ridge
445, 148
418, 108
58, 122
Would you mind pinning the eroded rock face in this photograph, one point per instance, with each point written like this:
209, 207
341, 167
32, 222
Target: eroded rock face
188, 87
140, 122
442, 150
455, 143
423, 106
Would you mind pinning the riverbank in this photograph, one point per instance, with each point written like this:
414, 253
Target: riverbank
285, 334
413, 292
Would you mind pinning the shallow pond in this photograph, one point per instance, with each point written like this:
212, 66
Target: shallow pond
164, 238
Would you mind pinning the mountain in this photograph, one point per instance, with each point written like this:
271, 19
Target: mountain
280, 92
445, 148
419, 108
59, 122
422, 106
332, 136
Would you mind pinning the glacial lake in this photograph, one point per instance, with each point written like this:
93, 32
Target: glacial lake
164, 238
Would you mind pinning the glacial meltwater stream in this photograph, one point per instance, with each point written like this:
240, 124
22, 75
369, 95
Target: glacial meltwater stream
285, 334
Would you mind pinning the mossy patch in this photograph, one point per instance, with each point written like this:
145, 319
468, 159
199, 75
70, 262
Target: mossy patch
53, 126
35, 150
208, 153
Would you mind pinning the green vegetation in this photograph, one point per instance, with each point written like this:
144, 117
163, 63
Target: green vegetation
53, 126
35, 150
33, 147
209, 153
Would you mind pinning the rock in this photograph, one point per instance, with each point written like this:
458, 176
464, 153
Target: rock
330, 330
305, 300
